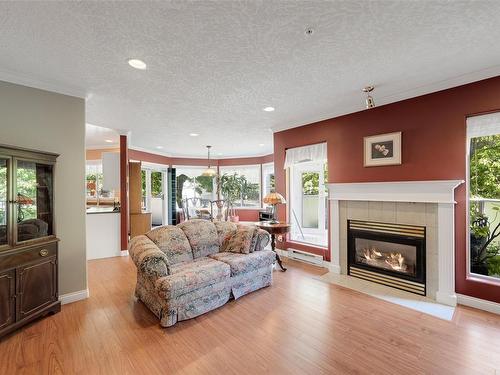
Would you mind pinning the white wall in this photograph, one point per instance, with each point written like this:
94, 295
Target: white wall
47, 121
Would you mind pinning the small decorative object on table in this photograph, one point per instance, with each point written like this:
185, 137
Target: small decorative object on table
274, 229
274, 199
382, 149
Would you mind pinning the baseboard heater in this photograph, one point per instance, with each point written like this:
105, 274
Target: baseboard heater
305, 257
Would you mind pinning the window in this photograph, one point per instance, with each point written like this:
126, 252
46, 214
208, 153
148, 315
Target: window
483, 142
308, 199
241, 185
191, 184
93, 178
268, 184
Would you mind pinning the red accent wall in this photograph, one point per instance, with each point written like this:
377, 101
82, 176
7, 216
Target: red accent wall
246, 214
123, 192
167, 160
434, 148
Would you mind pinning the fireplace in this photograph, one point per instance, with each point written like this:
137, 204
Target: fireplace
388, 254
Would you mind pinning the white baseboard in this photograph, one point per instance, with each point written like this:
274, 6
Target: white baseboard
124, 253
74, 296
478, 303
332, 267
446, 298
282, 253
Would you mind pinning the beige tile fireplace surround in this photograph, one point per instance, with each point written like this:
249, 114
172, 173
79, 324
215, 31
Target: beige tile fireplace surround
424, 203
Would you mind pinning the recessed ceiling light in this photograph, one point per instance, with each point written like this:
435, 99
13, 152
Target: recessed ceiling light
193, 134
108, 141
138, 64
268, 109
159, 147
220, 154
261, 144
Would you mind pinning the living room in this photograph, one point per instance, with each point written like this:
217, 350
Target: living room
256, 187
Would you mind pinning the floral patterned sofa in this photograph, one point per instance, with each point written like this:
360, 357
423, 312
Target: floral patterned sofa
189, 269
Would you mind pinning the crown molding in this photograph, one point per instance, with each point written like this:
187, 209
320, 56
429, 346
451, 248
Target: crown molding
415, 92
52, 86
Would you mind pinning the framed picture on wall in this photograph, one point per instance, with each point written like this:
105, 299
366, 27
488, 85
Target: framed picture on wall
382, 149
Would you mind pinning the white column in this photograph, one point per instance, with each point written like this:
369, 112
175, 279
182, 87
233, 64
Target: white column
335, 236
446, 254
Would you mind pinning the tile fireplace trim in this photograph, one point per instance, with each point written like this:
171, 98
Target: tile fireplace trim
440, 192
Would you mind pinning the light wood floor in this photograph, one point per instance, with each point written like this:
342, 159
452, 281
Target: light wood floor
299, 325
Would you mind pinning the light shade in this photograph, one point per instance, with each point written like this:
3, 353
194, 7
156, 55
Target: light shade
274, 198
209, 172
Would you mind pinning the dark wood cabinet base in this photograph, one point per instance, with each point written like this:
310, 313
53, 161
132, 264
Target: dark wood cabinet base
28, 284
53, 308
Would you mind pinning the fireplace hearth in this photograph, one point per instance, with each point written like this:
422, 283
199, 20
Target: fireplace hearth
388, 254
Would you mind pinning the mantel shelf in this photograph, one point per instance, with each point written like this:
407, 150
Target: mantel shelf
435, 191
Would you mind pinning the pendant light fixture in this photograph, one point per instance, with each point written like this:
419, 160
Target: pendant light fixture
370, 103
209, 172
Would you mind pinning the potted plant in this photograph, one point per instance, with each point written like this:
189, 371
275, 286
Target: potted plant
230, 187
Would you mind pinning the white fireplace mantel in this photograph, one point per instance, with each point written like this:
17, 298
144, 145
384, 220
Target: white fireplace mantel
440, 192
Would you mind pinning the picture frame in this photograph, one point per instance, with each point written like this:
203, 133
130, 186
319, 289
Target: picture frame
382, 149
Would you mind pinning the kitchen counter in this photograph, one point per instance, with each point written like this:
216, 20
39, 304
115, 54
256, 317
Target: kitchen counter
103, 233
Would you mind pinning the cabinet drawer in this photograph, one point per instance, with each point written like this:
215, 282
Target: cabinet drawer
30, 254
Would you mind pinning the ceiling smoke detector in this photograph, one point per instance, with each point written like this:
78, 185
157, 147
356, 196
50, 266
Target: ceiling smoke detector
370, 103
309, 31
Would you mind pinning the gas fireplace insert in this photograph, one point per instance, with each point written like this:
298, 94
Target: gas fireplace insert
388, 254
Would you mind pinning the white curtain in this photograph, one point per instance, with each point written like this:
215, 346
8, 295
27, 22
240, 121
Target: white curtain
480, 126
304, 154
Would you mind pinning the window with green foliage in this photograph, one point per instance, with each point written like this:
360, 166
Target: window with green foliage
240, 185
484, 204
93, 178
268, 179
191, 184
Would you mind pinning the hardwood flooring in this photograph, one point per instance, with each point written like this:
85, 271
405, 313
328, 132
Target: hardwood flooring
299, 325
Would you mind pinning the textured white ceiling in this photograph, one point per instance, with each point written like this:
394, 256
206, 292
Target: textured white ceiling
213, 66
99, 137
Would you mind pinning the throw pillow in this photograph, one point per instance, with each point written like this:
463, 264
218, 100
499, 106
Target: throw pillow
241, 240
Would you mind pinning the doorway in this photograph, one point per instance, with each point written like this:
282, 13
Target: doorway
154, 193
308, 203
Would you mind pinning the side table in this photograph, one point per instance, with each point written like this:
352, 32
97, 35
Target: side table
275, 229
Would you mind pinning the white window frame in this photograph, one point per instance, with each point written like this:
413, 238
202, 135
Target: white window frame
296, 196
474, 134
224, 169
266, 169
196, 167
98, 183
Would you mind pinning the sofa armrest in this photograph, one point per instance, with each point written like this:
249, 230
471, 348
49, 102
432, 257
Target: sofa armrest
263, 239
148, 258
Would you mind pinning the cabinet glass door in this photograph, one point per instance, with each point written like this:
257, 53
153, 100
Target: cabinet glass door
4, 229
34, 200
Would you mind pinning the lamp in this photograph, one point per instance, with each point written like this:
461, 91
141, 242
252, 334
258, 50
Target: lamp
209, 172
274, 199
370, 103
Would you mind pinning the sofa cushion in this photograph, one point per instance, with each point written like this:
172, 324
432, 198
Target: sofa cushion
262, 239
241, 240
202, 236
225, 229
244, 263
190, 276
173, 242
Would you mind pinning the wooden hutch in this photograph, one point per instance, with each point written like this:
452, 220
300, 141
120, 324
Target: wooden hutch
28, 245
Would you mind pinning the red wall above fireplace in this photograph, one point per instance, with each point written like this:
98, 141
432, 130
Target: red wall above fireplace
434, 148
